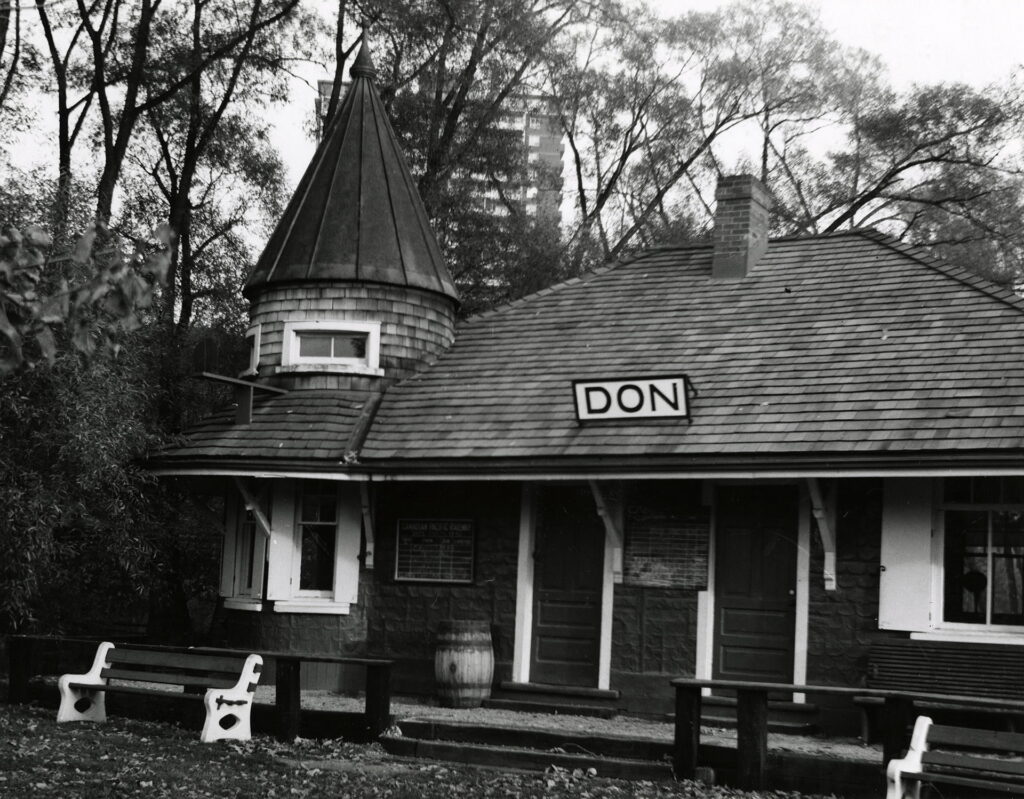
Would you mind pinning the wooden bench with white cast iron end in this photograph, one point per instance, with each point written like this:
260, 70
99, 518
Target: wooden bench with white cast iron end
228, 682
960, 757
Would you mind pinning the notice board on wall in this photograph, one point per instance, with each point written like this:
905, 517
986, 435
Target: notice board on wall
435, 550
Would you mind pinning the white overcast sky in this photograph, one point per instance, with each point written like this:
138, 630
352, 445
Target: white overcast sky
921, 41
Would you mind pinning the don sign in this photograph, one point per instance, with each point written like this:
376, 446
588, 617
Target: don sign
636, 398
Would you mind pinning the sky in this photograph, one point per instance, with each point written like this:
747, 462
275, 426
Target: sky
979, 42
921, 41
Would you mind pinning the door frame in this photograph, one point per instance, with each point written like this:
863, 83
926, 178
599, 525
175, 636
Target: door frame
706, 599
524, 595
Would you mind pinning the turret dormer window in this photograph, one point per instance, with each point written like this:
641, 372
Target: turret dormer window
331, 346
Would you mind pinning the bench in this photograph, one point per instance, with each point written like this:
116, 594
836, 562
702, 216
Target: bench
228, 683
937, 756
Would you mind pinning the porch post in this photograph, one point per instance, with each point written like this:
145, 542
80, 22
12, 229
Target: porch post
524, 588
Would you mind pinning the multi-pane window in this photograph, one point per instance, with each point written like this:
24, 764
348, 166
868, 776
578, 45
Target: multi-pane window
983, 551
323, 345
318, 527
332, 345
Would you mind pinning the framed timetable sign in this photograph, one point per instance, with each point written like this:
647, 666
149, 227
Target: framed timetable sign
435, 550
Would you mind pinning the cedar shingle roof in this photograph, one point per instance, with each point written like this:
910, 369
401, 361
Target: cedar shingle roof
356, 214
846, 344
835, 349
300, 426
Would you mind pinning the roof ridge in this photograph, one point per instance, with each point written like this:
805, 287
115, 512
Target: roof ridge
960, 274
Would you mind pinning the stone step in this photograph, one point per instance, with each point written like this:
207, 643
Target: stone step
561, 708
529, 759
794, 718
558, 690
608, 745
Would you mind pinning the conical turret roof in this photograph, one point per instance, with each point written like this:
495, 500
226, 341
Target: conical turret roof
356, 215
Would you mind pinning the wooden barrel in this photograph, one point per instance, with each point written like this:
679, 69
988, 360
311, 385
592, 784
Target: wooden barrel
464, 663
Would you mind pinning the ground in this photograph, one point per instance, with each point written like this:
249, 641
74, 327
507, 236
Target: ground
851, 749
127, 758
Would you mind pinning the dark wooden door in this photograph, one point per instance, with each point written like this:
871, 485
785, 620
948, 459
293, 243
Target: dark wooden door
755, 582
568, 570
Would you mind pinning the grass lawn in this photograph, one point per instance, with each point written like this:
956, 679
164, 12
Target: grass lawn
123, 758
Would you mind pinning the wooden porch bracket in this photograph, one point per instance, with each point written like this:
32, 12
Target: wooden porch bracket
367, 507
611, 529
824, 515
253, 504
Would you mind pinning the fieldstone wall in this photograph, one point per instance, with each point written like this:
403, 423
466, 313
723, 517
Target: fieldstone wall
843, 623
305, 632
416, 326
404, 619
654, 638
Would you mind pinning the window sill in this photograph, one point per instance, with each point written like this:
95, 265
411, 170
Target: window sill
242, 603
331, 368
312, 606
972, 636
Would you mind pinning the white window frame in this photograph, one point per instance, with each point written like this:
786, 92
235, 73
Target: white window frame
291, 361
313, 593
939, 623
254, 359
285, 561
236, 559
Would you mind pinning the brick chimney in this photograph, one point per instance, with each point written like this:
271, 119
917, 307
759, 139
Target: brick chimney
741, 226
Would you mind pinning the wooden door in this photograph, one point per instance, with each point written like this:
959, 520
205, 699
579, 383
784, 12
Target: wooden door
755, 582
568, 577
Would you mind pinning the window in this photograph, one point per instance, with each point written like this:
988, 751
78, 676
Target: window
317, 531
667, 531
313, 559
983, 551
244, 559
252, 342
317, 345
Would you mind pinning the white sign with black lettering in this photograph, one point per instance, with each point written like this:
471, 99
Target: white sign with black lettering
636, 398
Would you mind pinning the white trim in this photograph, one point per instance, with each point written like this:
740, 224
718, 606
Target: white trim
612, 552
292, 361
950, 630
242, 603
524, 587
803, 593
481, 475
705, 619
254, 360
306, 594
312, 605
971, 637
185, 471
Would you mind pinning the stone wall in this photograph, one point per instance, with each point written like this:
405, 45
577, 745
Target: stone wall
843, 623
305, 632
654, 637
405, 616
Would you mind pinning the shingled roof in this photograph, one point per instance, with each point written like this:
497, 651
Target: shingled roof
837, 348
836, 351
301, 428
356, 214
